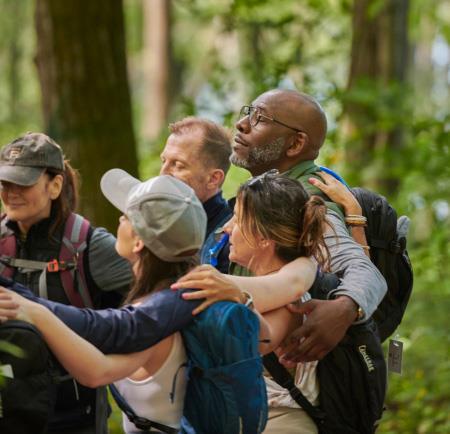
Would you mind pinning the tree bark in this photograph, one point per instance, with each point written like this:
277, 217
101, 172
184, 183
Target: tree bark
379, 59
157, 61
86, 103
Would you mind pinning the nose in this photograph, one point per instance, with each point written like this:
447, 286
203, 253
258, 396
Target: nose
243, 125
165, 169
228, 227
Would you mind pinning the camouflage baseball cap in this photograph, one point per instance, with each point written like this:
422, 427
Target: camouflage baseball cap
24, 160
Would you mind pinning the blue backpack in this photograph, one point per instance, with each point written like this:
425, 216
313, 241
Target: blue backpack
226, 393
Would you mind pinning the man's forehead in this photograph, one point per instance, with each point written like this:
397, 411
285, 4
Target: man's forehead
188, 139
183, 144
267, 102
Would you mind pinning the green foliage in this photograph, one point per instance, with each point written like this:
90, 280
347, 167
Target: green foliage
418, 400
228, 51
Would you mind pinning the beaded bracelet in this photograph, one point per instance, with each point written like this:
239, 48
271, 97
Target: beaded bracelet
355, 220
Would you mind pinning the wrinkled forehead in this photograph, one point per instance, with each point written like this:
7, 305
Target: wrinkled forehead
187, 146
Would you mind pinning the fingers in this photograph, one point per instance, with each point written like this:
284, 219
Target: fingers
328, 179
194, 281
200, 277
197, 295
8, 307
203, 306
306, 352
319, 184
302, 309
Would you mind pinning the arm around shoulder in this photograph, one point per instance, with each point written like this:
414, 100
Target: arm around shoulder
361, 280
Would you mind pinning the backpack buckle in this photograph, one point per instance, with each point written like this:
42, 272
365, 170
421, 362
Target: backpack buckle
53, 266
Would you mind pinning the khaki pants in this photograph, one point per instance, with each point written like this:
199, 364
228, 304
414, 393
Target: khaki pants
285, 420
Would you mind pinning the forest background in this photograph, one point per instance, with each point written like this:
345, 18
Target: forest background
104, 78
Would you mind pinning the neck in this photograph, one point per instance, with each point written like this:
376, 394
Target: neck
210, 195
267, 265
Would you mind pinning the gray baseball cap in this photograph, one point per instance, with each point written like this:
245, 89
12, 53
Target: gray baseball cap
164, 211
24, 160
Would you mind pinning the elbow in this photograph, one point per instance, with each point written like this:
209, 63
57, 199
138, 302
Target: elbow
91, 382
92, 379
300, 286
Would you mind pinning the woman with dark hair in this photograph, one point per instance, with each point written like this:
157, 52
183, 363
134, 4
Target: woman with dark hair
42, 247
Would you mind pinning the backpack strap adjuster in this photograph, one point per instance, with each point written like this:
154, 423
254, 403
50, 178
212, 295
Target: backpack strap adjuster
55, 266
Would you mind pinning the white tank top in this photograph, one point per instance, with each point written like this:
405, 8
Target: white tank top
150, 398
305, 380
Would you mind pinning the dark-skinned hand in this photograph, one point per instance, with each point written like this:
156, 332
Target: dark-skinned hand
324, 327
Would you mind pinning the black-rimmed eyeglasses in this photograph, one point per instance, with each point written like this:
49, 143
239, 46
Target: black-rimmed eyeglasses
254, 116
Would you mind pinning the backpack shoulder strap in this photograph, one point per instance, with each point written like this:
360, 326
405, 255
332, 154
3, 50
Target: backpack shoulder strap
212, 247
8, 247
73, 245
141, 423
282, 376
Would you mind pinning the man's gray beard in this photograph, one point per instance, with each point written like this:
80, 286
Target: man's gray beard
260, 155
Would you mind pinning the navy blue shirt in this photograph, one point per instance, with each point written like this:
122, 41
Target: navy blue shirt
124, 330
218, 212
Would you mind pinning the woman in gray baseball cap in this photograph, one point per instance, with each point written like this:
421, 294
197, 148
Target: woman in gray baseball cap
160, 233
57, 253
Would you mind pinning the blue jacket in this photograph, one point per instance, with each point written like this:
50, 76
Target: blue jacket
124, 330
218, 212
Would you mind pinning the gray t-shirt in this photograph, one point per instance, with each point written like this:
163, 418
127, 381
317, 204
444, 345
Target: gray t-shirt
361, 280
109, 270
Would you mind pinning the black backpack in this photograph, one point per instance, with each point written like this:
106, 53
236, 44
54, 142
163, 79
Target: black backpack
352, 377
386, 237
27, 397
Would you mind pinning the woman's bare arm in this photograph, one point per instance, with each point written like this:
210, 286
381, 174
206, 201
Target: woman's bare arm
269, 292
81, 359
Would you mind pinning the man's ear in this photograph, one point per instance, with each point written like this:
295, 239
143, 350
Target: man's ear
138, 245
298, 145
55, 186
215, 179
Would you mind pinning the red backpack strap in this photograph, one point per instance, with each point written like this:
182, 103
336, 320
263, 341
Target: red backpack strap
73, 245
8, 247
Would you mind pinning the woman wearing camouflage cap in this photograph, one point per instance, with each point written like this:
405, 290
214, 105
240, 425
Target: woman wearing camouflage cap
57, 253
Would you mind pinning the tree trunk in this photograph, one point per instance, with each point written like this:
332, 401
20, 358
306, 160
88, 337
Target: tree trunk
86, 103
379, 60
157, 60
